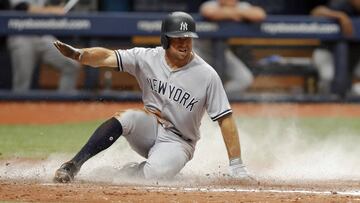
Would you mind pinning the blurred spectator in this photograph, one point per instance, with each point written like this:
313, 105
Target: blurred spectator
166, 5
4, 5
238, 74
287, 7
5, 71
29, 51
86, 6
111, 5
323, 58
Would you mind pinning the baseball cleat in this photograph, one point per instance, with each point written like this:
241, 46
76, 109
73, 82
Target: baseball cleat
129, 169
66, 173
133, 169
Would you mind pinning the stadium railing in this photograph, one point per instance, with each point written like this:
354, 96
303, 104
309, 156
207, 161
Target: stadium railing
113, 25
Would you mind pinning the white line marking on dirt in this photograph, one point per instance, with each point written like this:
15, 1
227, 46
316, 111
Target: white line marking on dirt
189, 189
50, 184
344, 193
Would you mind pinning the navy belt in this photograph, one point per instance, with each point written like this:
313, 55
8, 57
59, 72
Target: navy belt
176, 132
180, 135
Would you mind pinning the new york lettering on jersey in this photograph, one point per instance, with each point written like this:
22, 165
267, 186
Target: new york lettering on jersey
173, 93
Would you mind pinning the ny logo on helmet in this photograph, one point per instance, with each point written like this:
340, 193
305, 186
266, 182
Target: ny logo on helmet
183, 26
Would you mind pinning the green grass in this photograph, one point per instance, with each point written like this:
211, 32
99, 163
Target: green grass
42, 140
37, 141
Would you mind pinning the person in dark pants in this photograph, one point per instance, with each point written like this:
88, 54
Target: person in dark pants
323, 58
5, 80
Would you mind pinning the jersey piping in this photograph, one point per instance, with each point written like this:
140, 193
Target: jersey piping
119, 61
215, 118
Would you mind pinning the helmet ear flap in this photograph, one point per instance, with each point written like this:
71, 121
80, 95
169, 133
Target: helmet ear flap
164, 41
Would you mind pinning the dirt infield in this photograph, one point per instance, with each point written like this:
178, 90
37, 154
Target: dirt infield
217, 192
206, 190
68, 112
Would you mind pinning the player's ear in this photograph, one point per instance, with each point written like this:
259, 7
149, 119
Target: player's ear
165, 41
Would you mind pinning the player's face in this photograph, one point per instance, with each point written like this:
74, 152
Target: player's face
180, 48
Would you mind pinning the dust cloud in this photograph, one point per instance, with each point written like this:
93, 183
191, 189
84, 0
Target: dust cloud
272, 151
269, 151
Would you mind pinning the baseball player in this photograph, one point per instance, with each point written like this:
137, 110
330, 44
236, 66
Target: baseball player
177, 88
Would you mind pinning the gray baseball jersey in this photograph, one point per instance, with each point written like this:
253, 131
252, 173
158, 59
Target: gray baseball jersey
182, 95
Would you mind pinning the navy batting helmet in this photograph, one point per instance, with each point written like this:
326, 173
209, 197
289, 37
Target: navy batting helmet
177, 24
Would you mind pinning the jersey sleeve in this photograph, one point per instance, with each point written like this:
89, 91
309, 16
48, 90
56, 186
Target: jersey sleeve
128, 60
217, 103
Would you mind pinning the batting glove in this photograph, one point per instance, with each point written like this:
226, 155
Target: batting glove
238, 169
69, 51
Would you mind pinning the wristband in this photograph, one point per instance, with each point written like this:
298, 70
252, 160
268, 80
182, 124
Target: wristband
235, 161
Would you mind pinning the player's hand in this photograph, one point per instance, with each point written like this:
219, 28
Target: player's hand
238, 170
68, 50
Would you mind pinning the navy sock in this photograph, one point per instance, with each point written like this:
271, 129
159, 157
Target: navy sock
103, 137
